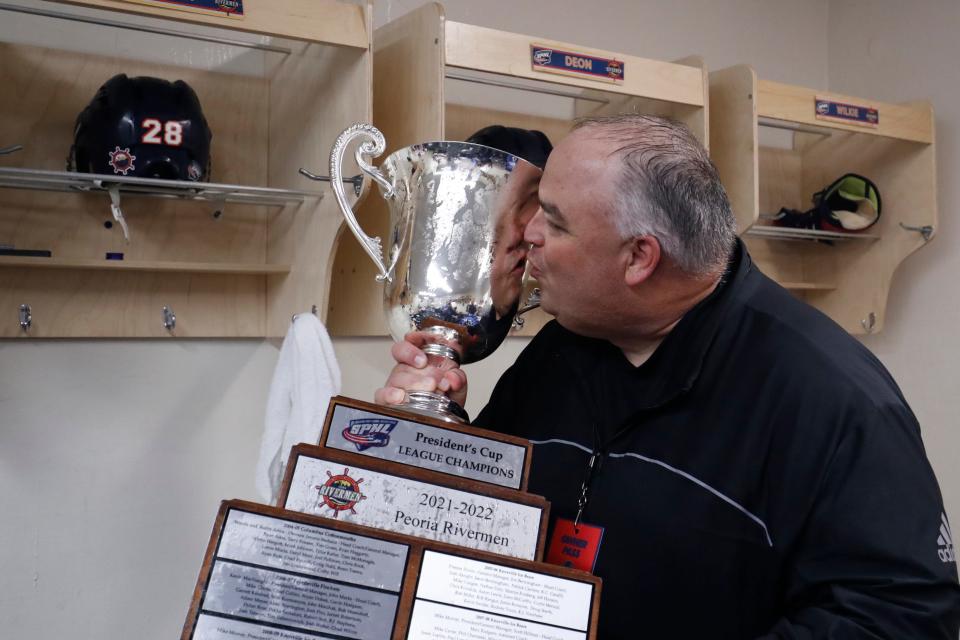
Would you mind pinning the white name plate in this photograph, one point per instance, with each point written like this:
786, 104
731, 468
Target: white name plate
461, 597
269, 573
365, 494
463, 452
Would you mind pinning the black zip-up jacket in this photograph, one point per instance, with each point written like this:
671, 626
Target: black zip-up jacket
761, 475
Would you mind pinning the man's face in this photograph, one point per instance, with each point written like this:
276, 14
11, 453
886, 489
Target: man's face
577, 255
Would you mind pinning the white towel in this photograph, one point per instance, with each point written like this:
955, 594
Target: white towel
306, 377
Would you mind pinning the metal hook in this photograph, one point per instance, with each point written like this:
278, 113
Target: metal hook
356, 181
926, 230
313, 310
26, 317
8, 150
169, 319
869, 322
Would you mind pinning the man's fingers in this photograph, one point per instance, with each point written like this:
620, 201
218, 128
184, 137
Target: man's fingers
455, 380
389, 395
413, 380
406, 353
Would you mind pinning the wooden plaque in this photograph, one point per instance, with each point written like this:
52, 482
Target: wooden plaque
427, 504
270, 573
427, 443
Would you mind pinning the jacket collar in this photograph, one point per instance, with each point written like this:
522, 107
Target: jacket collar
675, 366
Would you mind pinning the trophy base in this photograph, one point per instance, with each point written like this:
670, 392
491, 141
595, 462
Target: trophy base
434, 405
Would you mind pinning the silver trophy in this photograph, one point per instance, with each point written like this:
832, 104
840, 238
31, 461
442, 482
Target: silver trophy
456, 256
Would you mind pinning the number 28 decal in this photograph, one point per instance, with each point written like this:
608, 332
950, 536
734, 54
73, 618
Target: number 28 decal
169, 133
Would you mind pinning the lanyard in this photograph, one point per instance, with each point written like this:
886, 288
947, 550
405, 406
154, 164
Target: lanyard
593, 467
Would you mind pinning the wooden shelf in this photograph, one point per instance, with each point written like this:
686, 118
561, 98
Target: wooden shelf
320, 21
793, 104
494, 51
773, 232
896, 152
69, 181
143, 265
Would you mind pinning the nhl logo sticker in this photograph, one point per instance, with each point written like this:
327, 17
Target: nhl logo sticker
340, 492
369, 432
121, 160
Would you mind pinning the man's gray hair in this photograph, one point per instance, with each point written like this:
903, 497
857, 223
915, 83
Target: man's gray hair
669, 189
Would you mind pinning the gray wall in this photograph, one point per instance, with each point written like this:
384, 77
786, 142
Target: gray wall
115, 454
899, 52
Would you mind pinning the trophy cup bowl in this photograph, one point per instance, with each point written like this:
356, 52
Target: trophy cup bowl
456, 258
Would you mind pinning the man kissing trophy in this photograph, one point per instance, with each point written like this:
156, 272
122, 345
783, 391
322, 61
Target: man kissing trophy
455, 257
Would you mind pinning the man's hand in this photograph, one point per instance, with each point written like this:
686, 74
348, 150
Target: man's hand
415, 371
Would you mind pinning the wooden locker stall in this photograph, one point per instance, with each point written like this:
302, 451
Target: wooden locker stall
845, 275
413, 57
233, 257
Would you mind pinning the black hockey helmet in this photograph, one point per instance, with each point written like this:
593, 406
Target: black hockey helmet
145, 127
529, 144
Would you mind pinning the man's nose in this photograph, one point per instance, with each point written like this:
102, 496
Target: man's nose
533, 233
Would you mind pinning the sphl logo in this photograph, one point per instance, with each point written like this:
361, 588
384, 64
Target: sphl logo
542, 56
945, 541
369, 432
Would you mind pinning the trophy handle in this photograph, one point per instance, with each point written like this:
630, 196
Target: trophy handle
373, 146
533, 302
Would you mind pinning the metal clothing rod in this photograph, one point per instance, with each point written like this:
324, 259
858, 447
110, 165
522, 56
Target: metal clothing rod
789, 126
106, 22
356, 181
453, 75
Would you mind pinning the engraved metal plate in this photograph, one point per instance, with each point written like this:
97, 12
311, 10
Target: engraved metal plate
461, 597
387, 437
302, 548
216, 628
270, 573
413, 507
263, 595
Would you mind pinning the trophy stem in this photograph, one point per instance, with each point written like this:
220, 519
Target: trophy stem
435, 405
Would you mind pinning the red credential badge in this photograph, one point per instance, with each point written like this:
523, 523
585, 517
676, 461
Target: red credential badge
575, 547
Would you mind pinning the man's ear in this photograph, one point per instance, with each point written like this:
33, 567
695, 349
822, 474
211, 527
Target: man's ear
643, 258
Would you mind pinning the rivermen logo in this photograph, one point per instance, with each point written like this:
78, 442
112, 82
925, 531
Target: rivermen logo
121, 160
615, 69
369, 432
340, 492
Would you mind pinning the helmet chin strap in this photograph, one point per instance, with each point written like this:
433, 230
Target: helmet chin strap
114, 191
